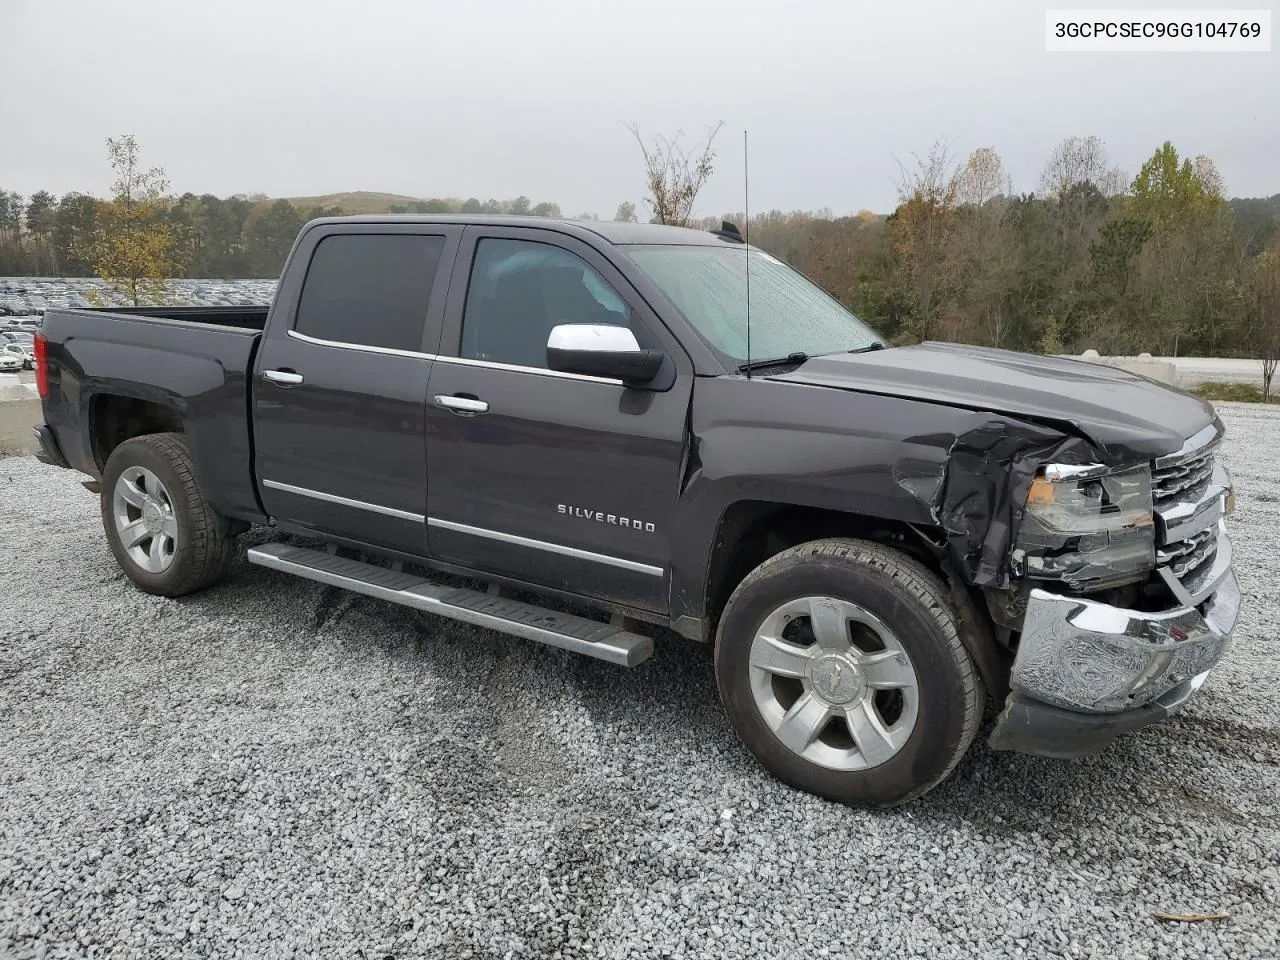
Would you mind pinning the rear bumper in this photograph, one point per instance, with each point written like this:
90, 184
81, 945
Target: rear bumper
48, 450
1087, 672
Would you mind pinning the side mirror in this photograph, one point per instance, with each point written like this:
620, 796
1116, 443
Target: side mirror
601, 350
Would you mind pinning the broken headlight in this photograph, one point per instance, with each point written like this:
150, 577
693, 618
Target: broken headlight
1087, 527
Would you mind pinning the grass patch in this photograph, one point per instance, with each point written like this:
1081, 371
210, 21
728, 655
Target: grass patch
1240, 392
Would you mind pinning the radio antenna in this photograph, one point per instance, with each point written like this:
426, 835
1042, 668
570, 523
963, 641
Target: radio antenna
746, 215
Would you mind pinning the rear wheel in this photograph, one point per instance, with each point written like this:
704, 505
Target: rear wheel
841, 667
162, 531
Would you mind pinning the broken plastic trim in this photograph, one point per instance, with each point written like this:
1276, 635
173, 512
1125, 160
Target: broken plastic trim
978, 496
981, 499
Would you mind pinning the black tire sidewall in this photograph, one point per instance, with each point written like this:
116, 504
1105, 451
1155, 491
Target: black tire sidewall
139, 452
931, 750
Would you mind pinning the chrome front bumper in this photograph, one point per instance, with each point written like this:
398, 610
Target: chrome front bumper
1096, 658
1087, 672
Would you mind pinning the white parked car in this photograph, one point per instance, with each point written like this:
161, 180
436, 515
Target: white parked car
23, 352
10, 363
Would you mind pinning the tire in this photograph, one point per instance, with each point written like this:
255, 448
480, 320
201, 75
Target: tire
866, 727
174, 547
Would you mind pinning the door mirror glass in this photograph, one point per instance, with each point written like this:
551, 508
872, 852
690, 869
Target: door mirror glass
601, 350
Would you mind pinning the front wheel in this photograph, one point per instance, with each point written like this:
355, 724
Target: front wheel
163, 532
841, 667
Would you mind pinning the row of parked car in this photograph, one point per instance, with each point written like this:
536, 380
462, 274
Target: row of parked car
31, 296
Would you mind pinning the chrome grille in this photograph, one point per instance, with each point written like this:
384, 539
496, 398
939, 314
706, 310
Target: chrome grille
1184, 480
1184, 557
1189, 491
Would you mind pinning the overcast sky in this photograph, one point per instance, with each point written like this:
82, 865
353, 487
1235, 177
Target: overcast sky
496, 98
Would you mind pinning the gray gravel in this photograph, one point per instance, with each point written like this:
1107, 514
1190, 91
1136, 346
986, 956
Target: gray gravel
277, 769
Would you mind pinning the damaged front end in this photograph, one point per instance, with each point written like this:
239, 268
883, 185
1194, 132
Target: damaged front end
1127, 597
1110, 587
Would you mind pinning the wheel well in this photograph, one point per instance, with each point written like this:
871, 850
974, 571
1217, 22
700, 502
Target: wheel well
114, 419
752, 531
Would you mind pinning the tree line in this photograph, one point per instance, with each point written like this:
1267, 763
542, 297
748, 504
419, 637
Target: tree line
1159, 262
141, 234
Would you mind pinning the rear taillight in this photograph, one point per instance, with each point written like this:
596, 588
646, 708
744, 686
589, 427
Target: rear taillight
42, 367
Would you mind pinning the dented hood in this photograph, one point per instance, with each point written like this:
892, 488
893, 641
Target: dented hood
1127, 417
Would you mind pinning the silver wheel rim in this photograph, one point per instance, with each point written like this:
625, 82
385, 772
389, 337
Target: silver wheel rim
833, 683
144, 519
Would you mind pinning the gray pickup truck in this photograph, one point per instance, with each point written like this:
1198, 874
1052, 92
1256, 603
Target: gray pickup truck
567, 417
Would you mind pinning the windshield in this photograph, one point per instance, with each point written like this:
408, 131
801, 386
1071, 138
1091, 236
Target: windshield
789, 314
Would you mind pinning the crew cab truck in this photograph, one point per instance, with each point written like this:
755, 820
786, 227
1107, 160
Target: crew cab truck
875, 539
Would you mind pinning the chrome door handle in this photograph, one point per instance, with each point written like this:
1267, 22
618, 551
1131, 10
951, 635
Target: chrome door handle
284, 377
465, 405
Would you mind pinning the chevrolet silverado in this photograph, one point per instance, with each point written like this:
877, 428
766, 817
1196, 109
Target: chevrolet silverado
615, 432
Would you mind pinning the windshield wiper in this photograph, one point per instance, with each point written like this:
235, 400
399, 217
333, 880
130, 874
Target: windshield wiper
796, 357
868, 348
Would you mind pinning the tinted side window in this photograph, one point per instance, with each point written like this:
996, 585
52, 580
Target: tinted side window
520, 289
369, 289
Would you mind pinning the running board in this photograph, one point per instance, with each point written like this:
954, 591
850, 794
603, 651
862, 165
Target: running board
603, 641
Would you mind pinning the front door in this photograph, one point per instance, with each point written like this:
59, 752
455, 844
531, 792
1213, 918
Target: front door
341, 381
559, 480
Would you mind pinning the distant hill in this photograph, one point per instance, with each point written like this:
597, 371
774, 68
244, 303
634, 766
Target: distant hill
358, 201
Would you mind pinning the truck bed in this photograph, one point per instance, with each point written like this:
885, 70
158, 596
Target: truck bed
244, 317
193, 361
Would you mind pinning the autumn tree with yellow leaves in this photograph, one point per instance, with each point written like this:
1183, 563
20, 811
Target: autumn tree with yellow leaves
133, 245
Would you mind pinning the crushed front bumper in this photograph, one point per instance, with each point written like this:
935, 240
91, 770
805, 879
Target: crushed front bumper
1086, 672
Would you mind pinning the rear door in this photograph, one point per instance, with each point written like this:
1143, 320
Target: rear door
341, 381
555, 479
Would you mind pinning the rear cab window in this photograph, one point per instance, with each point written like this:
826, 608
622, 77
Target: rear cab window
371, 290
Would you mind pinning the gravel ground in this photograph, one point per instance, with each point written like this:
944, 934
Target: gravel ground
277, 769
